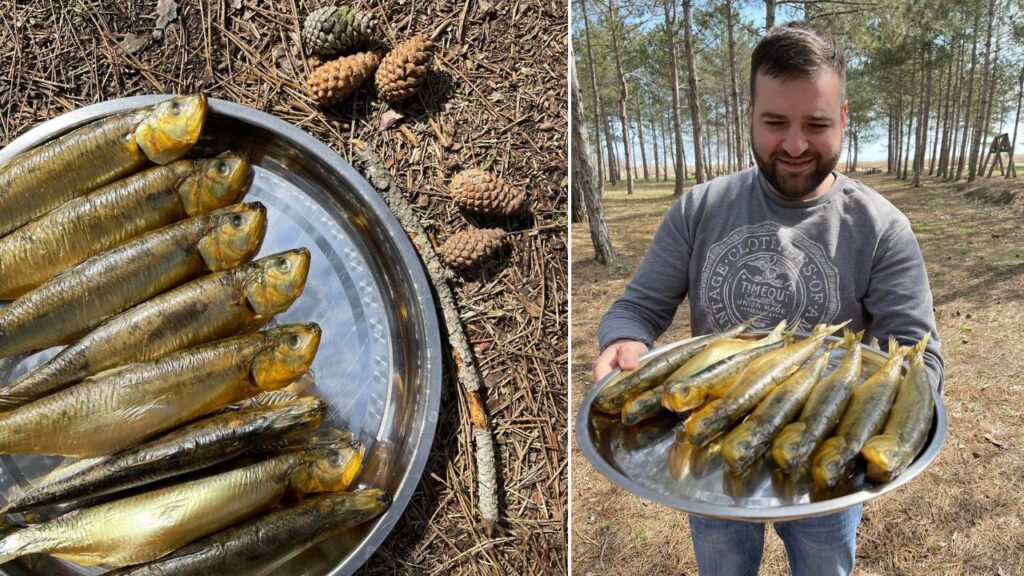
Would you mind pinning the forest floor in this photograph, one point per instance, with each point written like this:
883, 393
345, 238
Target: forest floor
963, 515
495, 99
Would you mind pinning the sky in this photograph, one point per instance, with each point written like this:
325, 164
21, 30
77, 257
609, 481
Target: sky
869, 150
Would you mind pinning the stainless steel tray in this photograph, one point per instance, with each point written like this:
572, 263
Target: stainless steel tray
379, 362
646, 460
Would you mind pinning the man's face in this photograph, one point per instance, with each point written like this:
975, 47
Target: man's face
796, 127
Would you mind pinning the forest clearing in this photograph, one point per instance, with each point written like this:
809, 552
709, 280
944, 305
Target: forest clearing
960, 516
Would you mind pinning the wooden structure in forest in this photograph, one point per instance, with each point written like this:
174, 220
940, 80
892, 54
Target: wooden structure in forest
999, 145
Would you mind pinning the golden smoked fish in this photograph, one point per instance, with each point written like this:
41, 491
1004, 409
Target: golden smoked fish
910, 419
864, 417
649, 404
78, 299
748, 441
751, 386
121, 407
192, 447
648, 374
711, 374
793, 446
261, 545
116, 213
213, 307
96, 154
147, 526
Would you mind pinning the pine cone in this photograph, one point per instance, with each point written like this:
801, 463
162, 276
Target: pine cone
404, 70
481, 192
338, 79
470, 248
331, 29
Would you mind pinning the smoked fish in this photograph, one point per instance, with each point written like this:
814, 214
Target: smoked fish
864, 417
121, 407
910, 420
213, 307
793, 446
96, 154
116, 213
78, 299
147, 526
192, 447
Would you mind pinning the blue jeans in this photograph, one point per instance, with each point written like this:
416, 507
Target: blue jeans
821, 546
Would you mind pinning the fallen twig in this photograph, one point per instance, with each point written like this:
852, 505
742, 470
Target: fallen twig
465, 364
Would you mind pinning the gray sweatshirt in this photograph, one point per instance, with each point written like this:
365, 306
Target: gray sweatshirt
738, 251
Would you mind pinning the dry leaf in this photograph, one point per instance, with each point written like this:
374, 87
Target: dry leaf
166, 12
132, 43
390, 118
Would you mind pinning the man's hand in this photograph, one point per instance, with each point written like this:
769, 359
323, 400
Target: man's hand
622, 354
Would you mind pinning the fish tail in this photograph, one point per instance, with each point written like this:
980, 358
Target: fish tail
918, 349
850, 338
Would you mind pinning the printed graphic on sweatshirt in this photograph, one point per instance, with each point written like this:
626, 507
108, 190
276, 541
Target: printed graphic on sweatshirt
771, 271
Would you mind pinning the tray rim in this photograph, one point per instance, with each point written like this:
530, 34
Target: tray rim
393, 231
774, 514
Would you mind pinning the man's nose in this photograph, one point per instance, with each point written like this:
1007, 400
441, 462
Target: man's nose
795, 144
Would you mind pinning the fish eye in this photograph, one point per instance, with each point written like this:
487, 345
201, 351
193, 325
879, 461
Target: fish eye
335, 459
222, 168
175, 108
293, 341
237, 221
284, 265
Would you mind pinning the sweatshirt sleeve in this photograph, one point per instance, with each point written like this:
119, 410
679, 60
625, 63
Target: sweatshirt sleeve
899, 299
658, 287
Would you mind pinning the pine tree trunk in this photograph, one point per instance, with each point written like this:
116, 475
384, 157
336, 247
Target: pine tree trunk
856, 148
640, 137
677, 120
985, 148
654, 139
613, 155
735, 94
1016, 122
583, 178
665, 147
970, 99
922, 123
979, 123
613, 25
597, 98
769, 15
949, 133
939, 116
910, 123
692, 95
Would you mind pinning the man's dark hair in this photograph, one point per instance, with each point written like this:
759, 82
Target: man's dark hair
797, 50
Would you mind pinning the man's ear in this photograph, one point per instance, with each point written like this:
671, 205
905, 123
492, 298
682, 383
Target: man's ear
846, 107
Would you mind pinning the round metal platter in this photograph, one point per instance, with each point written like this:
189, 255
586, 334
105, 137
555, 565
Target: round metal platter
379, 363
647, 460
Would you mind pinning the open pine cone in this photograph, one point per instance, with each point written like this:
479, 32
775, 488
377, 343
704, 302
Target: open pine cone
480, 192
331, 29
336, 80
472, 247
404, 69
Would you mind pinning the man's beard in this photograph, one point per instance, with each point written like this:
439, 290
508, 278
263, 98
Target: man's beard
795, 186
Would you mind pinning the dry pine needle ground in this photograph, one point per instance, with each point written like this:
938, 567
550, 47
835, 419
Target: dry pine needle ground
496, 99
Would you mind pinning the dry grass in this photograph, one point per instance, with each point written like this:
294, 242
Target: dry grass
964, 514
496, 99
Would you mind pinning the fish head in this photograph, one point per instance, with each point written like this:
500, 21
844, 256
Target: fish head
235, 235
167, 130
215, 183
305, 412
289, 354
832, 462
278, 281
329, 468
